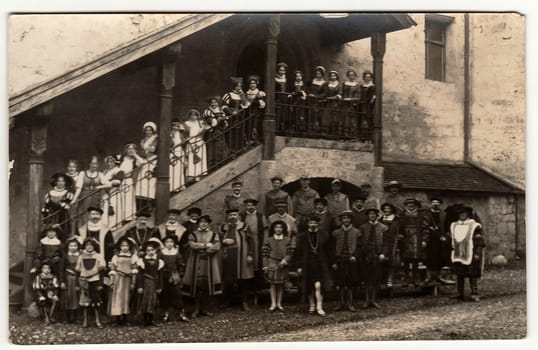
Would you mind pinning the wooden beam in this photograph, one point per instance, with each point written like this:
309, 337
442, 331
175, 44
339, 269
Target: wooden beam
269, 121
378, 43
162, 197
37, 147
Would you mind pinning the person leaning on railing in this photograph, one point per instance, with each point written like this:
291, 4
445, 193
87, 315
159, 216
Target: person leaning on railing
316, 95
233, 103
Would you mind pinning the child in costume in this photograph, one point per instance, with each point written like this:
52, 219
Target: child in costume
173, 271
45, 286
277, 253
91, 266
150, 281
69, 280
123, 271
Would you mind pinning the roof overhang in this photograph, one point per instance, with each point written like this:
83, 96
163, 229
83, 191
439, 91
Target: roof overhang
38, 93
340, 28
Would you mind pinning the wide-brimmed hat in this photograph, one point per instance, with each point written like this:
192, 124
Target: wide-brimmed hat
251, 201
69, 182
320, 69
173, 211
409, 200
348, 213
129, 240
281, 202
194, 210
56, 228
277, 178
91, 241
151, 125
152, 242
97, 209
393, 183
312, 218
321, 200
392, 207
278, 222
172, 237
205, 218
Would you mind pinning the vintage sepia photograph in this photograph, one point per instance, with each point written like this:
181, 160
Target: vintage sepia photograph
266, 177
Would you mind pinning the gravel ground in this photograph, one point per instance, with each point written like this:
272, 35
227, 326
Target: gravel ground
501, 314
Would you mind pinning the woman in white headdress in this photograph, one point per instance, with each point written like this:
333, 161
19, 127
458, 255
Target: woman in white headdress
196, 148
146, 183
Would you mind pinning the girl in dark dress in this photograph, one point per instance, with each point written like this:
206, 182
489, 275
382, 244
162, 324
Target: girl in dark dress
233, 103
69, 280
308, 257
150, 281
214, 117
58, 201
173, 271
277, 253
366, 104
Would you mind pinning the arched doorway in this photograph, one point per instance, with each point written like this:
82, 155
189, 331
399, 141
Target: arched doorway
323, 186
251, 61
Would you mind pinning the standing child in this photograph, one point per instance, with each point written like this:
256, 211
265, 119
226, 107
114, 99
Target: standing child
173, 271
277, 253
69, 280
203, 273
91, 266
123, 270
150, 281
45, 287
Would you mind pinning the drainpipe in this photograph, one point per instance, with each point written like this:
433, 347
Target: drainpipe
466, 91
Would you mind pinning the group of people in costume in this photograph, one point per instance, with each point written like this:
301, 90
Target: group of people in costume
333, 243
327, 107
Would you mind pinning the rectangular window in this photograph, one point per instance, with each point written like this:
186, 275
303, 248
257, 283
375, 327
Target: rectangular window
435, 28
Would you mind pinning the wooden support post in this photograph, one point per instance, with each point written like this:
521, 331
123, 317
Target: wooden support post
269, 120
38, 146
377, 47
162, 196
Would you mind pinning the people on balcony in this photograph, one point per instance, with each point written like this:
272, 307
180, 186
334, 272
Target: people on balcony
215, 117
196, 149
351, 98
57, 202
297, 117
280, 78
319, 122
178, 158
90, 189
256, 100
146, 182
233, 103
367, 100
334, 96
111, 199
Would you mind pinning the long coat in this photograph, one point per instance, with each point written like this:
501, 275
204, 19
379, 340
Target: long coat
234, 255
203, 264
313, 262
437, 249
411, 228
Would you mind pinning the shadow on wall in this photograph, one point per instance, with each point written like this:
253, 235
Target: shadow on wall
323, 186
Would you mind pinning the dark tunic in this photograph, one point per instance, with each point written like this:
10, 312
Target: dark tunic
271, 197
411, 228
45, 289
393, 225
436, 251
366, 94
351, 91
309, 257
346, 245
150, 280
172, 272
141, 236
56, 209
50, 250
359, 217
374, 242
70, 296
274, 251
303, 202
234, 255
